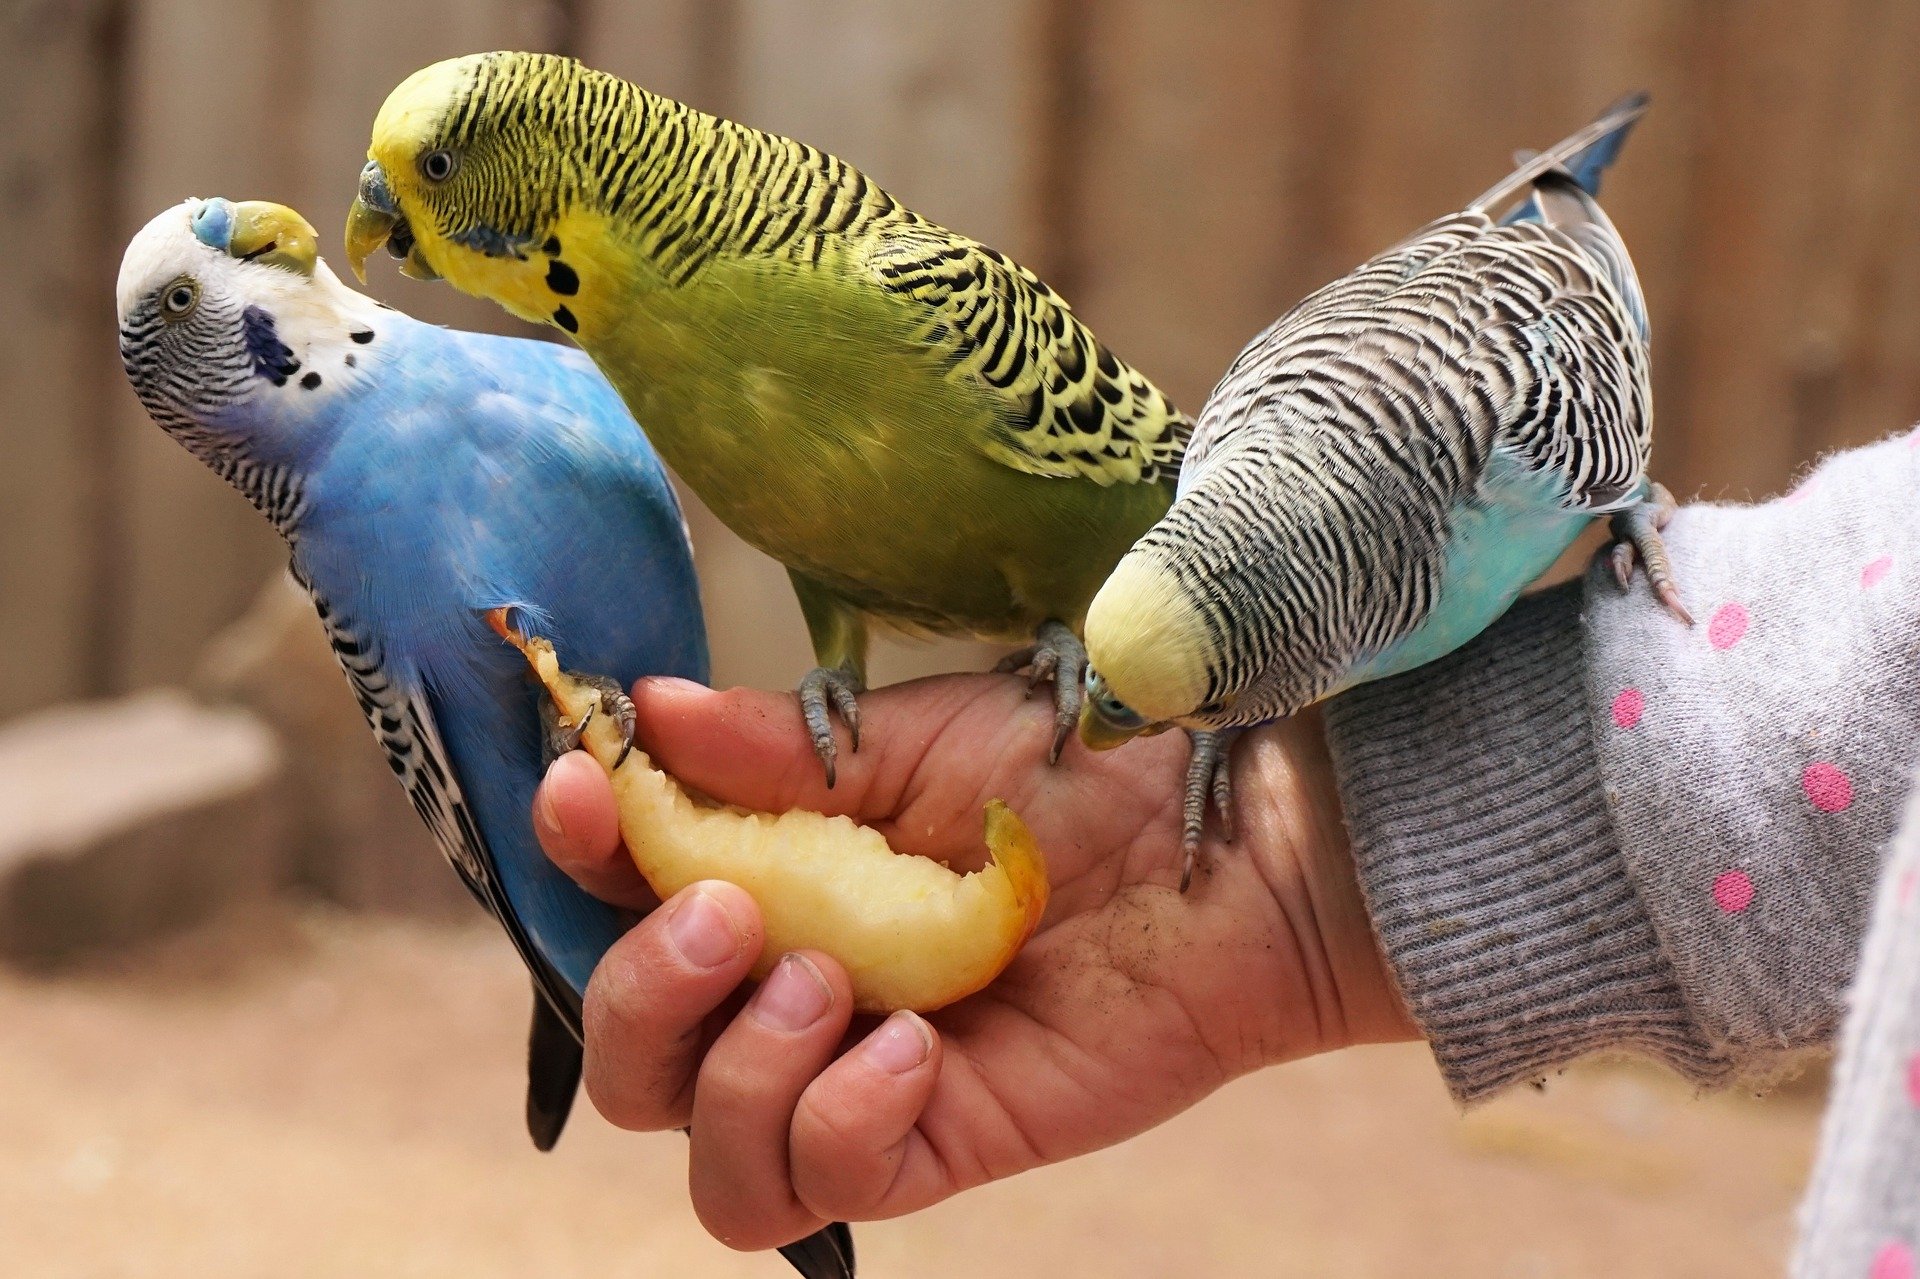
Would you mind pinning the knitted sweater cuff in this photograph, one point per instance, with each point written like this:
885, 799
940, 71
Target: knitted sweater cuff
1491, 868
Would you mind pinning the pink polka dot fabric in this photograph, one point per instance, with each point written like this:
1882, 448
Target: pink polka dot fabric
1893, 1261
1733, 891
1828, 788
1728, 626
1754, 768
1862, 1210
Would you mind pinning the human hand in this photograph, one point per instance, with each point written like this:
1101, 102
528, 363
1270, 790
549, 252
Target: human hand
1129, 1003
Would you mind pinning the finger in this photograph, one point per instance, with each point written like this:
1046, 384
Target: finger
651, 996
750, 747
854, 1127
743, 1107
579, 830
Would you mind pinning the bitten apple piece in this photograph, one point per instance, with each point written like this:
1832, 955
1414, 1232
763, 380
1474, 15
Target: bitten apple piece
910, 932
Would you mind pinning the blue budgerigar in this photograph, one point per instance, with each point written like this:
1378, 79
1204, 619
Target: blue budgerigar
421, 478
1382, 471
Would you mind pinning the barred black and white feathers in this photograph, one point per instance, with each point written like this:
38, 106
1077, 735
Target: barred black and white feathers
1383, 470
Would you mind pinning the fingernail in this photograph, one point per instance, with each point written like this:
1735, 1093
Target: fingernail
674, 684
902, 1042
793, 997
703, 932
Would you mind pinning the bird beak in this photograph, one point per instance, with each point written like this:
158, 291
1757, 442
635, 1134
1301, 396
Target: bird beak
274, 235
374, 221
367, 230
255, 231
1098, 733
371, 221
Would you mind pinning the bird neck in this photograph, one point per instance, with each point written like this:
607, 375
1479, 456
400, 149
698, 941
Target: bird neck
701, 186
279, 444
276, 489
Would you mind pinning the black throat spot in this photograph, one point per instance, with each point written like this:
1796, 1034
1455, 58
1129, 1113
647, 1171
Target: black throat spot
272, 358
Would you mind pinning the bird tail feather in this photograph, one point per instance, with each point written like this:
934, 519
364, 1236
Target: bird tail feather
1585, 155
827, 1253
553, 1072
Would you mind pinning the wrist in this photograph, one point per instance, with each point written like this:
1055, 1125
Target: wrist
1292, 827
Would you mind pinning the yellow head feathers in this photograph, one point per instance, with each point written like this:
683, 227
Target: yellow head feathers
418, 108
471, 172
1147, 641
404, 157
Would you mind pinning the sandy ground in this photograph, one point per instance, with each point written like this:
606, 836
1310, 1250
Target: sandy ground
323, 1096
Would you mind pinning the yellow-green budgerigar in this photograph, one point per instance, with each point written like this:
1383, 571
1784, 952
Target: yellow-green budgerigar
916, 426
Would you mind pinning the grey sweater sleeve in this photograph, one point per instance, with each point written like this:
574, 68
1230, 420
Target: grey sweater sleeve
1597, 830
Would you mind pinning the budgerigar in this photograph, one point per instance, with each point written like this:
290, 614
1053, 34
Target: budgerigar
421, 478
1382, 472
916, 426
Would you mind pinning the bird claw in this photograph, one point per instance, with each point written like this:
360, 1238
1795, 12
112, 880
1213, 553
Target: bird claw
1039, 662
1636, 532
1209, 785
842, 687
1058, 655
1622, 558
558, 736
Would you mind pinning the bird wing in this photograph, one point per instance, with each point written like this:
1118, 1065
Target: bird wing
402, 717
1584, 412
1550, 344
1566, 205
1071, 409
1316, 328
1531, 338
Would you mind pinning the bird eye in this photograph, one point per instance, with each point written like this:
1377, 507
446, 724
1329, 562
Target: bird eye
1117, 711
179, 299
438, 166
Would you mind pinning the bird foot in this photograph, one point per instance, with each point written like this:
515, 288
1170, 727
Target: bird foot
1209, 783
842, 687
558, 736
1636, 533
1056, 654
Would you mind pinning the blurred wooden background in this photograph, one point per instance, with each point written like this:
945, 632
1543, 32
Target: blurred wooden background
1181, 171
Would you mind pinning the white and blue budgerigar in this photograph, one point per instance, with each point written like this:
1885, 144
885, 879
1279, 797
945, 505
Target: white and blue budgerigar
422, 477
1387, 467
425, 479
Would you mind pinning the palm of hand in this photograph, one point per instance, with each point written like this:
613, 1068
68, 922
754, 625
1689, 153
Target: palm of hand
1131, 1001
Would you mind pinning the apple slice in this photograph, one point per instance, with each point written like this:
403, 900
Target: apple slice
910, 932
